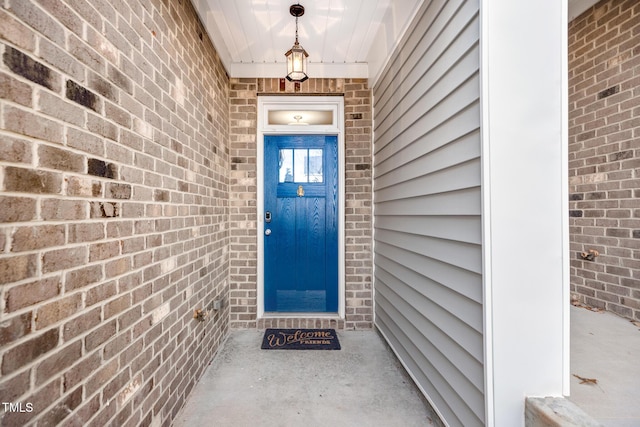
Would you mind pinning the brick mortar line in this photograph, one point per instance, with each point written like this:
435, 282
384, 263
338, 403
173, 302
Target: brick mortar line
61, 273
103, 98
66, 76
66, 125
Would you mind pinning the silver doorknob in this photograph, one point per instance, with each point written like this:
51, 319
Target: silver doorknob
267, 232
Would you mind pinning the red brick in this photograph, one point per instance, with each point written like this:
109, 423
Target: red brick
15, 32
37, 237
15, 328
104, 250
85, 142
114, 346
101, 127
86, 232
103, 87
118, 191
15, 150
63, 14
32, 293
37, 19
81, 371
100, 335
14, 90
17, 209
117, 267
58, 361
62, 409
82, 96
117, 305
56, 311
132, 245
60, 209
86, 54
63, 259
30, 124
100, 293
25, 66
58, 58
56, 158
88, 409
29, 351
82, 277
32, 181
116, 384
81, 324
11, 390
117, 114
83, 187
102, 418
59, 108
129, 318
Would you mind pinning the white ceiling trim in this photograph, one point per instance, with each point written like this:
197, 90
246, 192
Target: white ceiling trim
278, 70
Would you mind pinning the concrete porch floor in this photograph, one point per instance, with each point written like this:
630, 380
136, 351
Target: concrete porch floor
363, 384
606, 347
360, 385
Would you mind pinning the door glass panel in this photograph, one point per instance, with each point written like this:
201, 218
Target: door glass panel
286, 166
315, 166
300, 158
300, 117
300, 165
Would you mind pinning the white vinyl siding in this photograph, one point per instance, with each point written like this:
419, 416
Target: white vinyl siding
427, 198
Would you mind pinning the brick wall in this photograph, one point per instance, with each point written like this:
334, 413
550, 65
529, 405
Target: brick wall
604, 155
243, 221
114, 162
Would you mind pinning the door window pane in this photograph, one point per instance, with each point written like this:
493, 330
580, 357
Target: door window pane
286, 166
315, 166
300, 159
300, 117
300, 165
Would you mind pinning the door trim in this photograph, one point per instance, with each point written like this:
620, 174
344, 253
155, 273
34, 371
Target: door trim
304, 103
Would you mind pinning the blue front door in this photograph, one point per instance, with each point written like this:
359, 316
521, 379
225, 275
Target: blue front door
301, 224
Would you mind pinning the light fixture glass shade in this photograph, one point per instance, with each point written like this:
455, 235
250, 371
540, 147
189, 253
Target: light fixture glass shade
297, 63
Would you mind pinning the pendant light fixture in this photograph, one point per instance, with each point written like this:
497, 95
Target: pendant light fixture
297, 56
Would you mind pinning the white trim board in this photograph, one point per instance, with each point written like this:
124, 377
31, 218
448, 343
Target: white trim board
336, 105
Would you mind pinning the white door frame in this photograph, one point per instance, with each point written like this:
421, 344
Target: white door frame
335, 104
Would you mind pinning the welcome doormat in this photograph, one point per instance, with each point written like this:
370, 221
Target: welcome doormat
300, 339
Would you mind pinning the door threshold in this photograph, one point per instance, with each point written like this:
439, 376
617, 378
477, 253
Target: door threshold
301, 315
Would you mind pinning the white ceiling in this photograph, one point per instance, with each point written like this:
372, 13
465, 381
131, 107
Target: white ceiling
344, 38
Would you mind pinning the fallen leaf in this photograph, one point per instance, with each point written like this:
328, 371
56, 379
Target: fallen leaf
586, 380
576, 303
